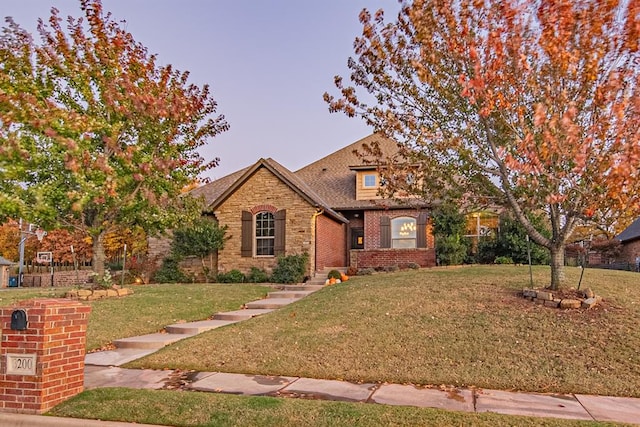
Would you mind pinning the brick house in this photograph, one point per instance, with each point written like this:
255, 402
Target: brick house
630, 243
329, 209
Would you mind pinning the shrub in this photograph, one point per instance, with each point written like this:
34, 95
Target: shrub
352, 271
365, 271
451, 250
335, 274
504, 260
233, 276
290, 269
413, 266
257, 275
170, 272
391, 268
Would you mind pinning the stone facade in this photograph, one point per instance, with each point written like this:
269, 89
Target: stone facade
265, 189
60, 278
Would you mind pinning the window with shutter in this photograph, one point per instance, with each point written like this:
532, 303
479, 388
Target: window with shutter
422, 230
265, 234
246, 239
385, 232
280, 236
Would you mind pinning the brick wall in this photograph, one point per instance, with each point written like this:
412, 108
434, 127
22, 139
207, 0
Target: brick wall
60, 278
263, 188
330, 243
630, 251
56, 335
377, 258
372, 226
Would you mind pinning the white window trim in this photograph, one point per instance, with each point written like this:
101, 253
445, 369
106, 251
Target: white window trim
255, 237
413, 239
364, 180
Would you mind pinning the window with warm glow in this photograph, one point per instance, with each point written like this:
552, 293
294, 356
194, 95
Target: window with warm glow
403, 232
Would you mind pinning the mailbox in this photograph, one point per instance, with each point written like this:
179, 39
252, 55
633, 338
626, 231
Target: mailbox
19, 320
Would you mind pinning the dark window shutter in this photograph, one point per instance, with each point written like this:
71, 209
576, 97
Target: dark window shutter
246, 246
280, 231
421, 241
385, 232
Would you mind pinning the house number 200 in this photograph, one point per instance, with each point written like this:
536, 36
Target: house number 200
21, 364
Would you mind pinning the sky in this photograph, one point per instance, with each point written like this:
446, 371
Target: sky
267, 62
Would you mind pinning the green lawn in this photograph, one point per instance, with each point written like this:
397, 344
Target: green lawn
150, 308
459, 326
184, 409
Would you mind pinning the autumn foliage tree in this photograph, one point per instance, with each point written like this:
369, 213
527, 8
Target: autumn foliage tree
534, 102
95, 135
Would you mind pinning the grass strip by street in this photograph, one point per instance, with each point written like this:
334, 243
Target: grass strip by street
461, 326
150, 308
192, 409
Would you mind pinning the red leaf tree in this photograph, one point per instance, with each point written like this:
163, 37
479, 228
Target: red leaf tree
535, 102
98, 134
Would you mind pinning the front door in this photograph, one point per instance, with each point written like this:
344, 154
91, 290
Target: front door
357, 238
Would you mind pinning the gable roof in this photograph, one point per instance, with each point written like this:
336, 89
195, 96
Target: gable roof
212, 190
4, 261
220, 191
334, 177
632, 232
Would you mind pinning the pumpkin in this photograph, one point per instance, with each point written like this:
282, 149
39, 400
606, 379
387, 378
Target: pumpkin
332, 281
344, 277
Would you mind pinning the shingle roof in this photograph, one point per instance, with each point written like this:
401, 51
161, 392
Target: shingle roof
329, 183
211, 191
632, 232
232, 182
332, 178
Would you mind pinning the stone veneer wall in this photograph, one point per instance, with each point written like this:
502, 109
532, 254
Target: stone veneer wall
60, 278
331, 243
263, 188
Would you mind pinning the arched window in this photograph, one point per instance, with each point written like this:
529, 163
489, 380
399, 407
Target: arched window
403, 232
265, 234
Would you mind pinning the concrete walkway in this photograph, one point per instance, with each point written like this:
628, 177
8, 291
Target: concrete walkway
103, 370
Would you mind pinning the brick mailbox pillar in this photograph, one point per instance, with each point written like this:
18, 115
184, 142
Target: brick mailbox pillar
42, 360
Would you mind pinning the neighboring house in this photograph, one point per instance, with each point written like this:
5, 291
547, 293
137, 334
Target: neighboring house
5, 264
630, 243
330, 209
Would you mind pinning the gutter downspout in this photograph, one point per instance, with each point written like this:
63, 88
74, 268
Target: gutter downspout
314, 224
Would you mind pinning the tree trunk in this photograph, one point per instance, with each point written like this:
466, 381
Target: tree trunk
557, 267
98, 254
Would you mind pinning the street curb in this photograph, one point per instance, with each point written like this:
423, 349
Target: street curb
24, 420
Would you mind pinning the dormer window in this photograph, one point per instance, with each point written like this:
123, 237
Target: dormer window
369, 181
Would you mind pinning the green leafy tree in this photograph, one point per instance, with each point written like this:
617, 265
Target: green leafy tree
449, 228
512, 240
533, 102
94, 134
200, 238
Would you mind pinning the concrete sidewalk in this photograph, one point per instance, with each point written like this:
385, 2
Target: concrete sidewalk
577, 407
